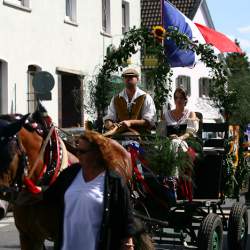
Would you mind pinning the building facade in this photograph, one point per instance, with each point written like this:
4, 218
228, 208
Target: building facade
66, 38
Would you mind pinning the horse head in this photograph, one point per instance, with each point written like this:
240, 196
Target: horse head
9, 150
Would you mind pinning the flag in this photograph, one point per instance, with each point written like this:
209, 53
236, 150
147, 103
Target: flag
196, 32
173, 17
218, 40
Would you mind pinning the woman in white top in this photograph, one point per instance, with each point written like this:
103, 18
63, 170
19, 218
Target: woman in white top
92, 198
180, 122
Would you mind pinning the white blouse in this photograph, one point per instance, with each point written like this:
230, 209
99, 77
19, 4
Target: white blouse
192, 123
83, 213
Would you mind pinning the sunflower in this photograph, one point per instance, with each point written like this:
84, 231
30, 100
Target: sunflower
159, 33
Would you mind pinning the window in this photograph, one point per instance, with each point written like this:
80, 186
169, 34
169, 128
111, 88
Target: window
17, 3
125, 17
106, 16
185, 83
204, 84
31, 95
70, 10
4, 89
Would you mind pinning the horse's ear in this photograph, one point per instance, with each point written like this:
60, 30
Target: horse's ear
14, 127
39, 113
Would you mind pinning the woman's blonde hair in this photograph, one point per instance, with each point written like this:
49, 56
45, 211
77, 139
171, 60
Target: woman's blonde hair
114, 156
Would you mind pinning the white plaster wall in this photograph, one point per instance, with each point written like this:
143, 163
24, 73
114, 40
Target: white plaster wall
200, 17
42, 38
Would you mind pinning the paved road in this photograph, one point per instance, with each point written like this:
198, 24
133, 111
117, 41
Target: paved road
9, 236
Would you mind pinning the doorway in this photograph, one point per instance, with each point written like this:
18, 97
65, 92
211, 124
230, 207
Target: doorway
4, 87
71, 101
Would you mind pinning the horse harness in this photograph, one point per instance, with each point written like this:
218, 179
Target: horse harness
50, 170
10, 193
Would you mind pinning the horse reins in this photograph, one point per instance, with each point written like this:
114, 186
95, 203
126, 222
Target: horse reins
9, 193
23, 177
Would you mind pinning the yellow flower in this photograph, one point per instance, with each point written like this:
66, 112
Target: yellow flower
159, 33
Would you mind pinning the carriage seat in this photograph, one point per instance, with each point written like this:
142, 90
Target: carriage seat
216, 142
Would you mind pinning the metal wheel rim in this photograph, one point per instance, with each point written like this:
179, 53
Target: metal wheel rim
215, 241
243, 229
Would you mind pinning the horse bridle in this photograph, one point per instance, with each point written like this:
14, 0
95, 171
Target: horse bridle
10, 193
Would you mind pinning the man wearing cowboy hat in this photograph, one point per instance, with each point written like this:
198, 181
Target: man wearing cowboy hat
132, 108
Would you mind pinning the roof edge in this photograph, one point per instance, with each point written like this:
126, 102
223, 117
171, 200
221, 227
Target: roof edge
195, 8
207, 14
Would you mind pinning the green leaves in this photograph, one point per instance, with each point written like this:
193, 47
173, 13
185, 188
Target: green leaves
143, 40
164, 161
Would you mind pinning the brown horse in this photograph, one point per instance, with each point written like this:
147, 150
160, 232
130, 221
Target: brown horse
20, 154
20, 151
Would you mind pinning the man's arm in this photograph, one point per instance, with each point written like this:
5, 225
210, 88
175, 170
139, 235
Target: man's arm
111, 117
149, 111
108, 124
136, 123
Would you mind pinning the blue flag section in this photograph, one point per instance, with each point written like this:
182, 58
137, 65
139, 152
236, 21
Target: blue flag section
176, 56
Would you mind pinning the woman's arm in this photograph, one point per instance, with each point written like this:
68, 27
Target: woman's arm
189, 131
192, 115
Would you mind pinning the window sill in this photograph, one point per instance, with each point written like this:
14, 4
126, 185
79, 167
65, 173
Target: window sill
71, 22
205, 98
103, 33
15, 6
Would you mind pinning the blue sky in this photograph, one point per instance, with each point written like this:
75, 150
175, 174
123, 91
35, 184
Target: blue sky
233, 19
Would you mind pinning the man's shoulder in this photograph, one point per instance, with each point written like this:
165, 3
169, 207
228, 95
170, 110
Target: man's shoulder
148, 97
141, 92
121, 93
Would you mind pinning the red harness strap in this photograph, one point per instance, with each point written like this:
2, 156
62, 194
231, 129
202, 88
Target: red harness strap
54, 158
30, 185
134, 156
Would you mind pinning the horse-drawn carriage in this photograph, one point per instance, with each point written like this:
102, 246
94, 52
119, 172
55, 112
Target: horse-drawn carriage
199, 221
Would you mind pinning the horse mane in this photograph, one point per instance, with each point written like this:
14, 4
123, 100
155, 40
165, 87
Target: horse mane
37, 116
10, 117
39, 113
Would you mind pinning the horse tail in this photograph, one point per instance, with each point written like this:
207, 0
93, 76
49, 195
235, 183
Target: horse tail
142, 240
145, 242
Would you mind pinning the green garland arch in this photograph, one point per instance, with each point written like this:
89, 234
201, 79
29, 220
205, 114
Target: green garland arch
148, 43
145, 41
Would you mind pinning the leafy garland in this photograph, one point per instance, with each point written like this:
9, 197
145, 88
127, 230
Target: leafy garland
151, 43
171, 162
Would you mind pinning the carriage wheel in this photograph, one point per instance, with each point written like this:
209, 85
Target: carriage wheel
237, 227
210, 234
